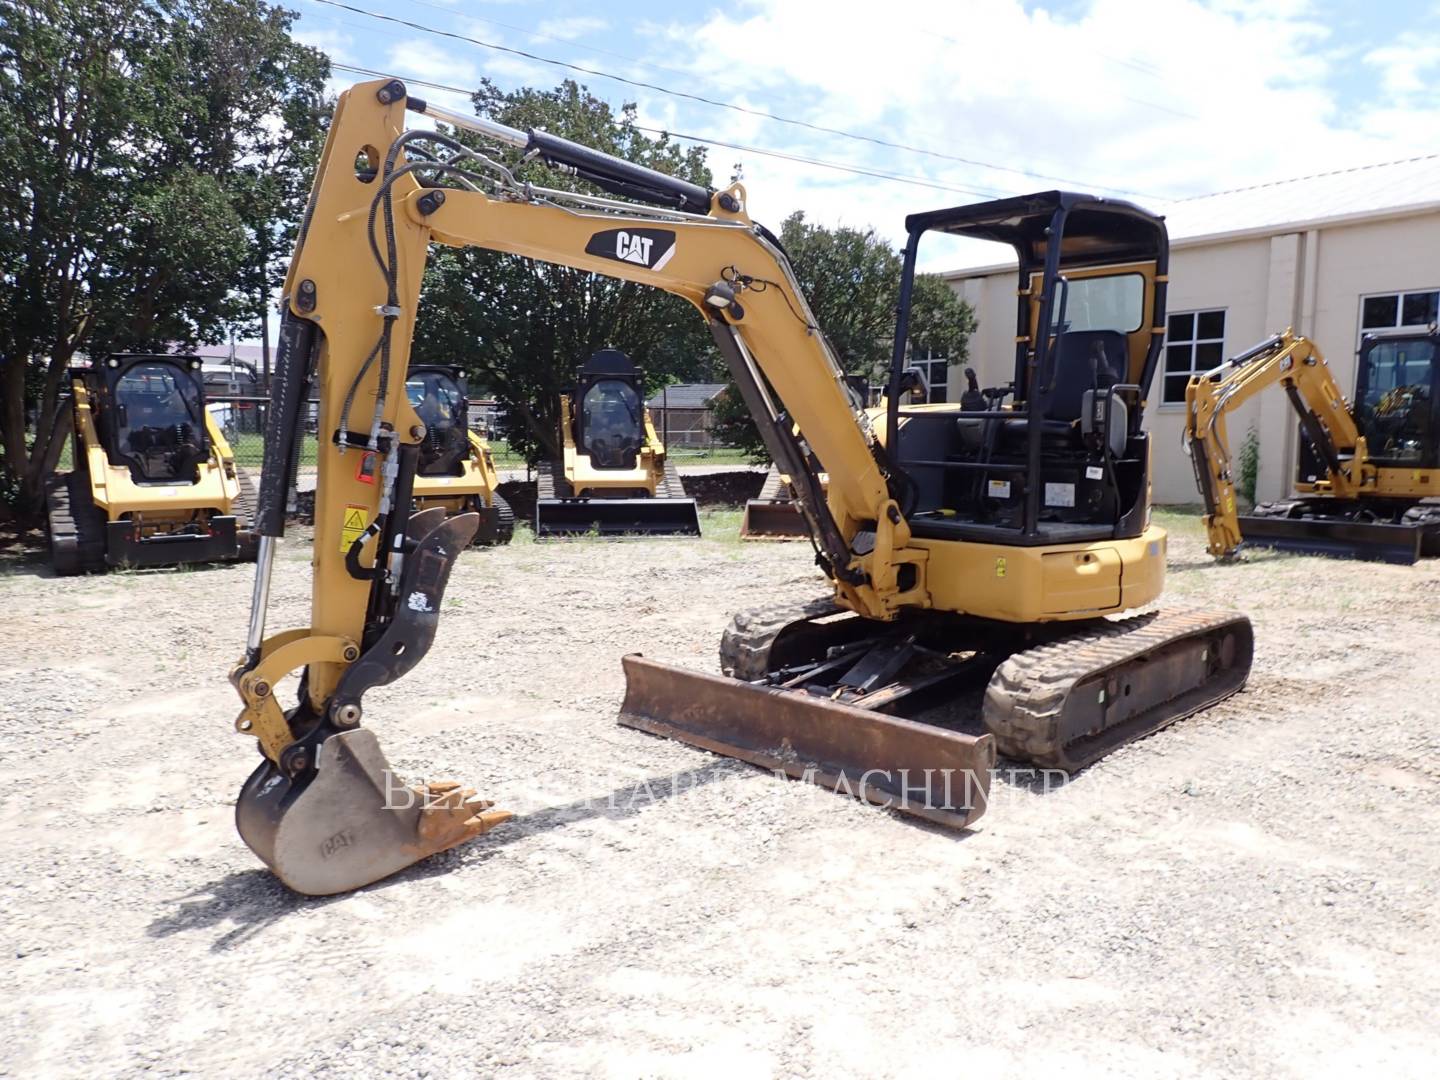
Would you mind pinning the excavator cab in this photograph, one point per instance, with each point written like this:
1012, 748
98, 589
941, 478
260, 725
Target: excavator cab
1397, 400
455, 469
1066, 458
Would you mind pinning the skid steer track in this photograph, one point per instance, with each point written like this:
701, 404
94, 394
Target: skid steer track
1069, 702
75, 524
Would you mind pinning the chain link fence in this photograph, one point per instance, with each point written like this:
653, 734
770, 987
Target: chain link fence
241, 418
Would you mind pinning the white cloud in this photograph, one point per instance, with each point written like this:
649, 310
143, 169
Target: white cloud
571, 27
1404, 66
1162, 98
423, 59
336, 44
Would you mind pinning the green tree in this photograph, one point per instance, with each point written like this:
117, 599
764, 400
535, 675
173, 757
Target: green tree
519, 327
158, 151
851, 279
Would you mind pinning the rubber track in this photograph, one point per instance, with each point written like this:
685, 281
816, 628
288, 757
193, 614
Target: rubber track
1028, 691
671, 485
745, 645
550, 479
504, 522
774, 490
244, 510
75, 525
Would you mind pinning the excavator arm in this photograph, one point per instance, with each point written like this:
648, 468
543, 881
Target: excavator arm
323, 809
1297, 365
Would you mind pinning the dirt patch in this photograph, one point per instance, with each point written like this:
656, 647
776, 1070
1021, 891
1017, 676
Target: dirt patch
724, 490
1254, 890
520, 494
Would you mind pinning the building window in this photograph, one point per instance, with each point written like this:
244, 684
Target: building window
1386, 312
1194, 343
936, 369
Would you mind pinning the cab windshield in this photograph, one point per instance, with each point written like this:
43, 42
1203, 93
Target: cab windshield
440, 403
1395, 408
159, 426
611, 424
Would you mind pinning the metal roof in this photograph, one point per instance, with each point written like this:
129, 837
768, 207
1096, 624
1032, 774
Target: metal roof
1389, 189
686, 396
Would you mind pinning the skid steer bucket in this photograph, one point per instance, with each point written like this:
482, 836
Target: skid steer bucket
773, 519
1401, 543
616, 517
932, 773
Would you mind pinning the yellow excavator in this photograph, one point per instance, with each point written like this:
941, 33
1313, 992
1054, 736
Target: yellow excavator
154, 481
1368, 477
613, 478
456, 470
992, 550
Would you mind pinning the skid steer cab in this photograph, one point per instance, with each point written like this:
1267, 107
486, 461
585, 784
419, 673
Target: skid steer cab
613, 478
154, 481
456, 470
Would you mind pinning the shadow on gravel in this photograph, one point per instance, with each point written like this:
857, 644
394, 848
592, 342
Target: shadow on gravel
255, 899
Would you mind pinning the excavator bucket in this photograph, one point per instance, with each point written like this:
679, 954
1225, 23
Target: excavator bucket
353, 822
930, 772
616, 517
773, 519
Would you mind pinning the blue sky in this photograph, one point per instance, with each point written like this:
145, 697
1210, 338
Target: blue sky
1152, 99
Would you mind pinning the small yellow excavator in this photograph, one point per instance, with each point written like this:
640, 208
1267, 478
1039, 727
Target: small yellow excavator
1368, 477
613, 478
456, 470
967, 552
154, 481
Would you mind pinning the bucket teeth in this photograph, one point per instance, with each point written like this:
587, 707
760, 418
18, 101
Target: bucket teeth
450, 815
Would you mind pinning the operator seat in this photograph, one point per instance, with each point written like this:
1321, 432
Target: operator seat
1086, 360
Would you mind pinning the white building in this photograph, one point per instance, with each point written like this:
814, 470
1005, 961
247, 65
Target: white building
1333, 255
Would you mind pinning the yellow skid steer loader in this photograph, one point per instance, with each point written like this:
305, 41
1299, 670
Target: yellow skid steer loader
456, 470
154, 481
613, 477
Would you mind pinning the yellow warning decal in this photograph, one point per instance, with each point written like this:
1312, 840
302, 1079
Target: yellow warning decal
1000, 567
353, 525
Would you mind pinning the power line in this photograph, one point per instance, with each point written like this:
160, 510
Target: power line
763, 114
705, 140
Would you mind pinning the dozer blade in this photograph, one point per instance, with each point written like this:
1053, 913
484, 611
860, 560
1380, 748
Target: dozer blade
353, 821
1372, 541
935, 774
773, 519
616, 517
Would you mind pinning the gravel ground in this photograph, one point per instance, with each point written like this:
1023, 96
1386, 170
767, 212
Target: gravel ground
1252, 891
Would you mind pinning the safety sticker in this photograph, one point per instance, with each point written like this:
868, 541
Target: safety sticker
1000, 566
999, 489
353, 525
1094, 472
1059, 494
